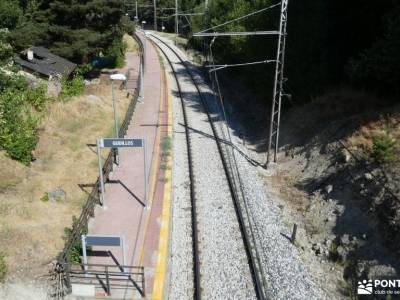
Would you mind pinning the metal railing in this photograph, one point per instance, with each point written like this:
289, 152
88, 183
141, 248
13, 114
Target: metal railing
108, 277
80, 226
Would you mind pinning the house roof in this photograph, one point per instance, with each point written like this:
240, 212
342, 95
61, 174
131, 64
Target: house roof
44, 62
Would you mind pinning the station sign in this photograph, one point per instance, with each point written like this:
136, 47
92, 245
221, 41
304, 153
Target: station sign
121, 143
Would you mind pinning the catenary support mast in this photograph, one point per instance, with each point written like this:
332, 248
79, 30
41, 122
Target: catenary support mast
273, 140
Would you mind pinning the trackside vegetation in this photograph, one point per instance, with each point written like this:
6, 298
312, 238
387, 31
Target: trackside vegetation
79, 31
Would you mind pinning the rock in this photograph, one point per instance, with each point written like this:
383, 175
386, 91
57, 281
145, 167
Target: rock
316, 247
58, 195
368, 176
381, 271
342, 252
329, 188
345, 239
95, 81
94, 98
328, 243
345, 156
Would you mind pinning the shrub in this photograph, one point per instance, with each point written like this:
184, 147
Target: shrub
18, 127
117, 52
3, 267
74, 254
45, 197
127, 25
72, 87
37, 97
384, 148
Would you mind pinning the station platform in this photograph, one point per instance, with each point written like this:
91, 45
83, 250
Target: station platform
126, 212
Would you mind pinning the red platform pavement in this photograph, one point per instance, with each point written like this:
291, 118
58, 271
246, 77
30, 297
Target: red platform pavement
125, 214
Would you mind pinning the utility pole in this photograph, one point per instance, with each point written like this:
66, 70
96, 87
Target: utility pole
137, 18
273, 140
176, 19
155, 14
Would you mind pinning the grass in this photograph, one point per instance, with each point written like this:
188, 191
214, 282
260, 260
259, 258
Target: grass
62, 160
131, 44
45, 197
166, 148
3, 267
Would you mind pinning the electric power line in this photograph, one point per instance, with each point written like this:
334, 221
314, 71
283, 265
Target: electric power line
242, 17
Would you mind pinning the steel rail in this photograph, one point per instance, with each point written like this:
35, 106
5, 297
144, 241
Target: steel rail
245, 237
195, 241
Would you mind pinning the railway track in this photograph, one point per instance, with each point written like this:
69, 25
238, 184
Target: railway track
231, 178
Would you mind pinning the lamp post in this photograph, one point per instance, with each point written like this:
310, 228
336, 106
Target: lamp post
116, 77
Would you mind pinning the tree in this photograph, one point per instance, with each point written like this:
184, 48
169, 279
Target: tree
10, 14
75, 29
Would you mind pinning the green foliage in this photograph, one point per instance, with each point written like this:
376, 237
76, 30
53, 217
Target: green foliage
333, 252
77, 30
127, 25
117, 52
82, 70
18, 127
76, 249
6, 51
166, 145
384, 148
317, 51
10, 14
71, 88
45, 197
3, 267
37, 97
378, 67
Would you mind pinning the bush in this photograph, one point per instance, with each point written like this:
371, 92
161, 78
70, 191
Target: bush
117, 52
384, 148
37, 97
127, 25
75, 252
73, 87
3, 267
18, 127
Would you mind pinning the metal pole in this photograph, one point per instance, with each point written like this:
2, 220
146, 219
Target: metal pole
141, 94
155, 14
145, 171
83, 239
102, 191
137, 18
114, 104
273, 140
176, 21
108, 282
123, 254
114, 109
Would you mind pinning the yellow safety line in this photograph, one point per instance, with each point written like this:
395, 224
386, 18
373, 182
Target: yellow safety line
153, 179
161, 268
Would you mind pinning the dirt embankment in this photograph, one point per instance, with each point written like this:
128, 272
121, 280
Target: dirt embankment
37, 202
337, 178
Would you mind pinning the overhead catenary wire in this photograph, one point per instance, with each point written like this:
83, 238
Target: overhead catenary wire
219, 67
241, 18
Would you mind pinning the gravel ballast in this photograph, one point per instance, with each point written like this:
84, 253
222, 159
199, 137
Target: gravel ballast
285, 274
225, 273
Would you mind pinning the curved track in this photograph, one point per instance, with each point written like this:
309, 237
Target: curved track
247, 245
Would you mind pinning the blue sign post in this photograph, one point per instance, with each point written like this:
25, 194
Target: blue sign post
102, 240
